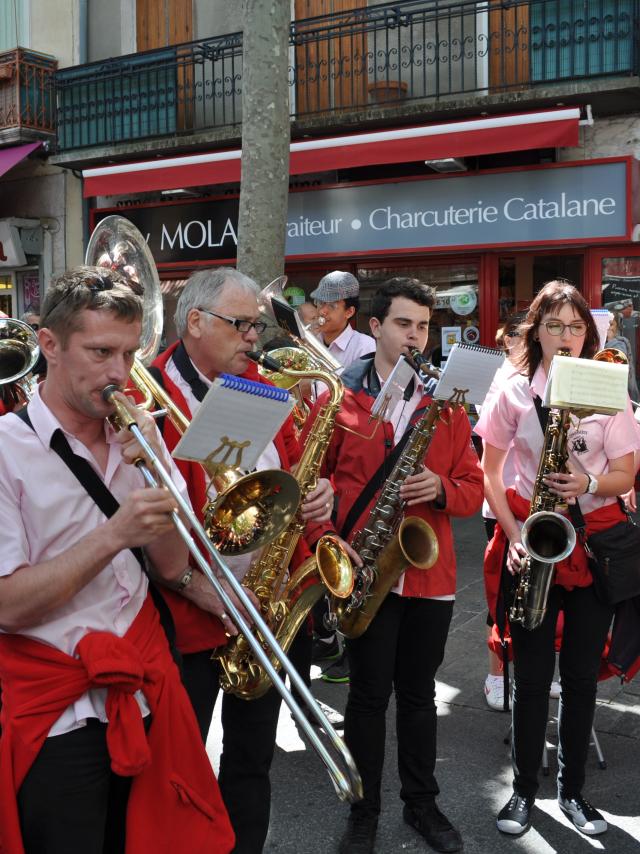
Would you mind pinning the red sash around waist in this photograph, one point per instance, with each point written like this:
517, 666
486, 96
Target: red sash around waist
571, 572
175, 803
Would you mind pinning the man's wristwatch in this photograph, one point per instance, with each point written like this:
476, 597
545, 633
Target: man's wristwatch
592, 486
185, 580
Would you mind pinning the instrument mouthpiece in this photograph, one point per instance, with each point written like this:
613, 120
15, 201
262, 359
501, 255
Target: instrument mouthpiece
267, 362
108, 391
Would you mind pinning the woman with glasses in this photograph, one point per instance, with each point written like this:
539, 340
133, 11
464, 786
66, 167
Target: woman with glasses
600, 467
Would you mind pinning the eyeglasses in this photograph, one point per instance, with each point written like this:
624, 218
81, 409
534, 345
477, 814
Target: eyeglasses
95, 285
514, 334
34, 326
242, 326
557, 327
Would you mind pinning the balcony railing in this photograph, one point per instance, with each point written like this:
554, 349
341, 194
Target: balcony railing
386, 52
27, 97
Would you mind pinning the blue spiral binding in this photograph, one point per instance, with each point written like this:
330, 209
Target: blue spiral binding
252, 387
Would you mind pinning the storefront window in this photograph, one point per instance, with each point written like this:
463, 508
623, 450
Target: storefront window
6, 294
456, 316
621, 295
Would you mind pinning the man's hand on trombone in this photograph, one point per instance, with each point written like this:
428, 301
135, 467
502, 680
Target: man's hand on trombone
201, 593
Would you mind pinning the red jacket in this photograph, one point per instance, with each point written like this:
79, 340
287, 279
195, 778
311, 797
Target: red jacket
175, 804
351, 461
197, 630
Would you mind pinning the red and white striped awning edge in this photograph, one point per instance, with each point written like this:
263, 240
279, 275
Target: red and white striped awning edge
488, 135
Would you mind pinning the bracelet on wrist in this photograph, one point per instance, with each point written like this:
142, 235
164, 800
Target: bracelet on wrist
185, 580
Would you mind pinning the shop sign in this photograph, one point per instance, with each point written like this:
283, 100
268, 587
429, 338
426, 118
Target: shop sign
566, 203
11, 251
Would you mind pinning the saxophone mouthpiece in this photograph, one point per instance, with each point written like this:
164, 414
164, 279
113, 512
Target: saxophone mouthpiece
261, 358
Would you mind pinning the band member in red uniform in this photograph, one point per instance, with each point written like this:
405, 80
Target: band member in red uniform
600, 467
403, 646
218, 320
97, 729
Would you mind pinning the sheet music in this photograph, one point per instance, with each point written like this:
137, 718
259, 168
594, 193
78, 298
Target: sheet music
469, 369
585, 384
393, 390
238, 418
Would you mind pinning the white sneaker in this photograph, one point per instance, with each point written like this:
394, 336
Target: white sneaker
494, 692
554, 691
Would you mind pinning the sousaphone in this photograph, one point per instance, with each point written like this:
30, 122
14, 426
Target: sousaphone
249, 511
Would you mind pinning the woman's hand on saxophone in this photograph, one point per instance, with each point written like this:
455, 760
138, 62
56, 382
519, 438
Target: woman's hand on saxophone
515, 556
567, 485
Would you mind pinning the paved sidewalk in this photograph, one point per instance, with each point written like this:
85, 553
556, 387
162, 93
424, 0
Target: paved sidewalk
474, 770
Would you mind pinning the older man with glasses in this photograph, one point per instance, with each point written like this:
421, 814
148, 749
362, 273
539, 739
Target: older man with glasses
218, 321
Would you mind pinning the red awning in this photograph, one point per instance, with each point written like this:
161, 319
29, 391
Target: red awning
489, 135
10, 157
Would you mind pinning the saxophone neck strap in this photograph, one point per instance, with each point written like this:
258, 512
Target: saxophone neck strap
377, 479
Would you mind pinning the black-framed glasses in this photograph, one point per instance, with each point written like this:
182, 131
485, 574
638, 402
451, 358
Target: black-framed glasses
96, 284
513, 334
557, 327
241, 326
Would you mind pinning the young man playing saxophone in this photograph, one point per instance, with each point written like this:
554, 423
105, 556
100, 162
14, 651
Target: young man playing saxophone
404, 644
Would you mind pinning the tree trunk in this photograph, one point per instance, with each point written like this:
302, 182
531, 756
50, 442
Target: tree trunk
265, 139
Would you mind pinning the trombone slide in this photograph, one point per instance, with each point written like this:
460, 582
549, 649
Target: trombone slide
348, 786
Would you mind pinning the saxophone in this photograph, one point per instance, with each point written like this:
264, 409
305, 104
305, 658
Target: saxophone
284, 603
547, 536
390, 541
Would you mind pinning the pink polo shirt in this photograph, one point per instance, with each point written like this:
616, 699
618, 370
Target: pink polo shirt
509, 420
43, 512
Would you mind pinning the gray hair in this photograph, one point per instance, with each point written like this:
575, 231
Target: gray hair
204, 289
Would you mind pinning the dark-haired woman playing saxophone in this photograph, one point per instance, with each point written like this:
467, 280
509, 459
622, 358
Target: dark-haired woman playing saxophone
600, 467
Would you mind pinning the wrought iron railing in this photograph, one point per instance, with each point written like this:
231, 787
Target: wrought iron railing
27, 96
381, 53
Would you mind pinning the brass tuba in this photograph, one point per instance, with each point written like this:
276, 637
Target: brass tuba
249, 510
19, 352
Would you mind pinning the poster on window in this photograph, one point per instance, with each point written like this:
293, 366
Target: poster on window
450, 335
31, 291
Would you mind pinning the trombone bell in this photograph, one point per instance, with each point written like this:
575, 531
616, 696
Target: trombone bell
251, 511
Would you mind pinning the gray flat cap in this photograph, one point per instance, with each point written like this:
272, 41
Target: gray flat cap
335, 286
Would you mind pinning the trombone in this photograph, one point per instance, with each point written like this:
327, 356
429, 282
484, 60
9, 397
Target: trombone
347, 782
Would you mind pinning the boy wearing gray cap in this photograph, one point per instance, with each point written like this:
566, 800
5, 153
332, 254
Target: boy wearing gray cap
337, 299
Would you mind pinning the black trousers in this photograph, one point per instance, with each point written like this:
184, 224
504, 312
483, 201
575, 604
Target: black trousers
71, 802
248, 742
586, 622
401, 650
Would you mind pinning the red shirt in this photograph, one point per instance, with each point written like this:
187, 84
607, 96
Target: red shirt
175, 804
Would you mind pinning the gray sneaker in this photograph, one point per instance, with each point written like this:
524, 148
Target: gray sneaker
585, 817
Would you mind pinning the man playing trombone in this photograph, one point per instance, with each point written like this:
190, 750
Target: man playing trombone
218, 321
96, 726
